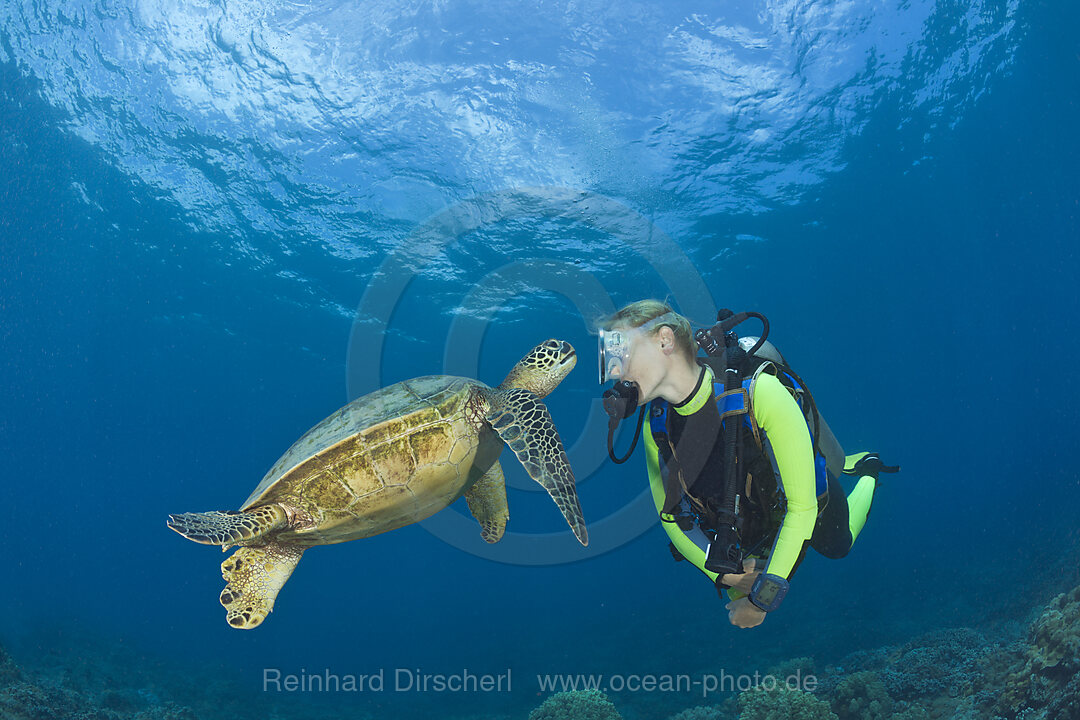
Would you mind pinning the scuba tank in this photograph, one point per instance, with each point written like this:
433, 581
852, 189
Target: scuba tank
826, 441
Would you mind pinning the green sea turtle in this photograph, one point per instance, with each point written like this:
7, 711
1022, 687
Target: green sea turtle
389, 459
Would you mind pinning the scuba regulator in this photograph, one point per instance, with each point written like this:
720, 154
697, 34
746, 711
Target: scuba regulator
619, 404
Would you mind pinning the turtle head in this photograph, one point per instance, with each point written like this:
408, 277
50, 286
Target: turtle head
543, 368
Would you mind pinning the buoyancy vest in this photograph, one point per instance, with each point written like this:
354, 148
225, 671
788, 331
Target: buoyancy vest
761, 500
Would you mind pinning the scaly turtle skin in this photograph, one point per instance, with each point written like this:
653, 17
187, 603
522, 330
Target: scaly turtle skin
389, 459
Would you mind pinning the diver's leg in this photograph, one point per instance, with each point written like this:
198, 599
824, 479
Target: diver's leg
832, 533
858, 502
844, 517
866, 466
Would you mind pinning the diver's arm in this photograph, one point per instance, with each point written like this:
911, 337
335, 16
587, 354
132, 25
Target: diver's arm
780, 417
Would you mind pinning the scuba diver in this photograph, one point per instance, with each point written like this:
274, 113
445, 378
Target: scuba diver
742, 467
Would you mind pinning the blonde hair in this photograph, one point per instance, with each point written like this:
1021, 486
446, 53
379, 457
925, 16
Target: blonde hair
638, 313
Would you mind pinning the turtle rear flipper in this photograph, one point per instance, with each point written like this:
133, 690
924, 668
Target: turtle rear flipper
524, 423
487, 503
231, 527
255, 575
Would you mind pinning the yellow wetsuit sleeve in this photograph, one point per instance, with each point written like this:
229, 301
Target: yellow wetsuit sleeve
777, 413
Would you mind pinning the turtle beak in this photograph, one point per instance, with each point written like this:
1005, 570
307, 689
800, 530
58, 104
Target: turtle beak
569, 354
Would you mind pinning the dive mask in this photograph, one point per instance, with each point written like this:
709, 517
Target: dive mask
614, 350
615, 345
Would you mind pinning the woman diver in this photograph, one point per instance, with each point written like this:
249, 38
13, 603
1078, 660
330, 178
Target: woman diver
742, 468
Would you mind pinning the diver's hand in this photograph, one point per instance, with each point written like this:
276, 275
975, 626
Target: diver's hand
744, 581
743, 613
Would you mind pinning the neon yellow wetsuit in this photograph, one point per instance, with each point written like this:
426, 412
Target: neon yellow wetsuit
779, 425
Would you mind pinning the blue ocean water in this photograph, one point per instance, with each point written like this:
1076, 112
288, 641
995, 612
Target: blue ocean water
220, 221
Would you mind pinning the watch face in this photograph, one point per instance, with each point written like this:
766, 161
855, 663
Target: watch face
767, 592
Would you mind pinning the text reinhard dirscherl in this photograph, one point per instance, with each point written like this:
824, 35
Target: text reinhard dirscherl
401, 680
414, 680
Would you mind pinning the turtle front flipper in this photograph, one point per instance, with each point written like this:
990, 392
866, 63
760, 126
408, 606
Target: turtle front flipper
231, 527
524, 423
255, 575
487, 503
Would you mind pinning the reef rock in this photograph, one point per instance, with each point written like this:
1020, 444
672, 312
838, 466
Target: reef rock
702, 712
862, 696
1055, 636
782, 703
24, 701
9, 671
576, 705
1043, 680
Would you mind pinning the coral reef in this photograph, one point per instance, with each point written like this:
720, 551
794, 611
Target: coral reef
862, 696
1042, 680
959, 674
98, 679
28, 701
793, 669
931, 674
1055, 636
23, 701
945, 662
1020, 673
702, 712
953, 674
782, 703
9, 671
576, 705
